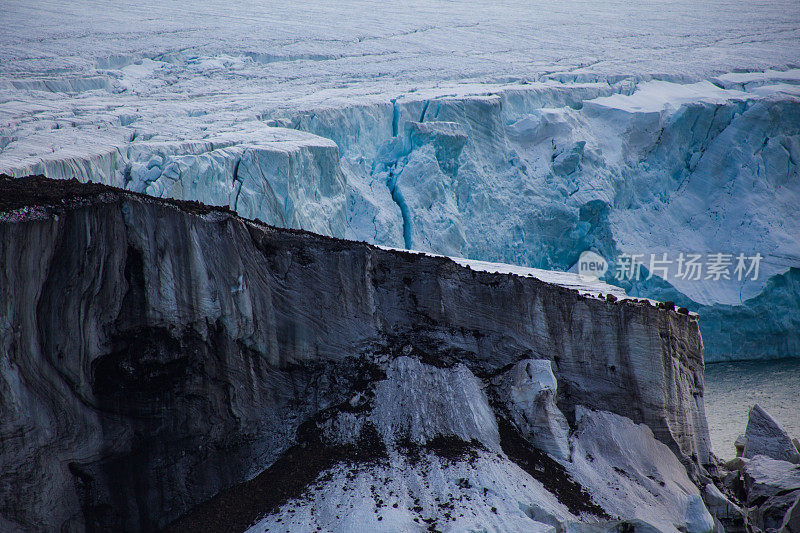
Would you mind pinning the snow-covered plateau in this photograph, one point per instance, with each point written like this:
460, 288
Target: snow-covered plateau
498, 131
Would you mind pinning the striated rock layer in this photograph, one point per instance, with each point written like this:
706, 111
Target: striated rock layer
155, 352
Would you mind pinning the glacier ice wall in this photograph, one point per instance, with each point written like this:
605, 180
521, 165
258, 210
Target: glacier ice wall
523, 173
282, 177
536, 175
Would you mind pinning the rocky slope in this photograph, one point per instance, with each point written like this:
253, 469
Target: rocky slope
156, 353
764, 479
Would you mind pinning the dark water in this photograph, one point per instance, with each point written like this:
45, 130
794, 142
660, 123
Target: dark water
732, 388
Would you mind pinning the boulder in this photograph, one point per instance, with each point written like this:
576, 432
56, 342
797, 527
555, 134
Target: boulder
771, 488
722, 508
791, 521
739, 445
765, 477
764, 436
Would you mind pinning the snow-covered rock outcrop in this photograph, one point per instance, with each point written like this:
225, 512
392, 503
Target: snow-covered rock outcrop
631, 474
529, 390
156, 353
435, 471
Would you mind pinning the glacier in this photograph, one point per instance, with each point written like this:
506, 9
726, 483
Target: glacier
470, 132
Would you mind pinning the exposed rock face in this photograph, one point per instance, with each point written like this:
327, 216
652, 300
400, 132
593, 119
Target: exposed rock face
153, 353
530, 390
764, 436
772, 487
410, 412
791, 522
722, 508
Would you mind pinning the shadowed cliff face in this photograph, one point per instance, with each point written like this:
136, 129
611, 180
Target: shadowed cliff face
153, 353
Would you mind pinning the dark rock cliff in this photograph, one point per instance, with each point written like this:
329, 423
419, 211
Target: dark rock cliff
154, 352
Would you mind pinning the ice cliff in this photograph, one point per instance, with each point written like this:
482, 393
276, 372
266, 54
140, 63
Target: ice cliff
529, 173
164, 360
